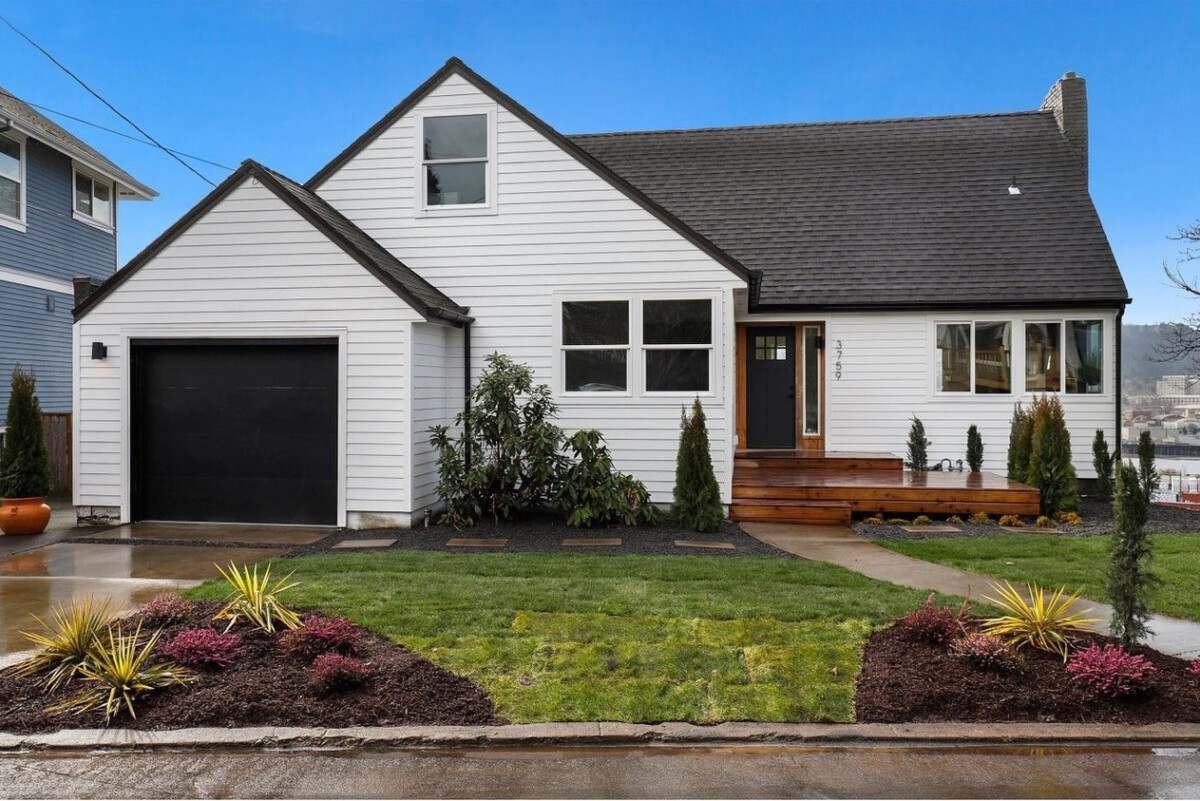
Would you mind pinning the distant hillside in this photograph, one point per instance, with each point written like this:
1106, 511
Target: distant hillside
1140, 369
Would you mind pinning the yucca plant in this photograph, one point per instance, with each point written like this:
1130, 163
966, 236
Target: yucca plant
65, 644
1044, 621
256, 599
121, 671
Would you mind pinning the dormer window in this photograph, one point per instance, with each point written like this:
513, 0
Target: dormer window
12, 180
93, 199
455, 160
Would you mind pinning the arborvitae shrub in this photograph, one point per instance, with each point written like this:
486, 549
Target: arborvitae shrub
1147, 473
1050, 468
974, 449
1020, 437
918, 446
1102, 460
25, 461
1129, 580
697, 503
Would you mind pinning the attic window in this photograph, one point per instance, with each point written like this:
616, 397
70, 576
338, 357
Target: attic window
455, 160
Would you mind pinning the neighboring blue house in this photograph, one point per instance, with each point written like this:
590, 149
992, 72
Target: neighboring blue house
58, 222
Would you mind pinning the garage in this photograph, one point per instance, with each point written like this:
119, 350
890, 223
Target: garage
234, 430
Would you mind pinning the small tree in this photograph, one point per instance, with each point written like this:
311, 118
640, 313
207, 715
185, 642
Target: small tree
25, 461
974, 449
1129, 580
505, 458
1147, 473
1102, 460
1050, 467
1020, 440
918, 446
697, 503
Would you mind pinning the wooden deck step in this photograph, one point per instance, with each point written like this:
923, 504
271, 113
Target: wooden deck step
820, 513
815, 460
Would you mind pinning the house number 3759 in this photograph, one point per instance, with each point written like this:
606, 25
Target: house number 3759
837, 364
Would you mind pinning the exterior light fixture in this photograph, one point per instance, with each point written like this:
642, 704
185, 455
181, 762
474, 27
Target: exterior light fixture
1013, 189
99, 350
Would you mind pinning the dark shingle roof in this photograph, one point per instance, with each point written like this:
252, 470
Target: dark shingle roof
47, 131
903, 213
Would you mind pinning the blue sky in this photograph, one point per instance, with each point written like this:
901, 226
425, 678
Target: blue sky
292, 83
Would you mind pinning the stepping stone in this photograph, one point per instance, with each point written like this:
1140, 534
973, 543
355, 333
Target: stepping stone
1029, 530
365, 544
714, 544
475, 542
589, 541
935, 529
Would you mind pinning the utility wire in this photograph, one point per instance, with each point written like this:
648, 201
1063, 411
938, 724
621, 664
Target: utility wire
111, 107
130, 137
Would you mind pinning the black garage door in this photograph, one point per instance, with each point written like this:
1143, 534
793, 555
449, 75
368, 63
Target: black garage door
238, 431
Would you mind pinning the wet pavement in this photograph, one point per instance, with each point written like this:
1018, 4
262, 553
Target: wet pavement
40, 572
773, 771
839, 545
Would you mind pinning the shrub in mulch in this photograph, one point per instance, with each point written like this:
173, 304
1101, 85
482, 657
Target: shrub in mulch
321, 635
987, 652
333, 673
936, 625
265, 687
203, 648
1111, 670
905, 680
166, 608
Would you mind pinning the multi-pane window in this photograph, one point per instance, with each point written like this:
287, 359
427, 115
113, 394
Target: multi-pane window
677, 343
93, 198
595, 338
770, 348
974, 357
10, 178
1084, 361
456, 160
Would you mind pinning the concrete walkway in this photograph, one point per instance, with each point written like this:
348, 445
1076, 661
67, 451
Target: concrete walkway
841, 546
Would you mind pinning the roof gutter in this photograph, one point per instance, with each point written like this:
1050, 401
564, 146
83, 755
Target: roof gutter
927, 306
1117, 379
449, 315
131, 183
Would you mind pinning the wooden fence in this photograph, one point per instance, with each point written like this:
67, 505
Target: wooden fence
58, 441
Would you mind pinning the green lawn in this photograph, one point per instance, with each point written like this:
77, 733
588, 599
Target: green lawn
629, 638
1073, 562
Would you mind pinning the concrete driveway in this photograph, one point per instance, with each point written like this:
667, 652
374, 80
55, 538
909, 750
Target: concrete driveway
128, 564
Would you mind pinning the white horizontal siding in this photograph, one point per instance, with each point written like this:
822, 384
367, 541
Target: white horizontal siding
888, 375
253, 265
557, 229
437, 396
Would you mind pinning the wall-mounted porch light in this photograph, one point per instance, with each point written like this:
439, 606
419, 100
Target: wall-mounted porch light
99, 350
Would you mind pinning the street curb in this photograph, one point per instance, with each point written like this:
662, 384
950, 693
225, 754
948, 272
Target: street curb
611, 734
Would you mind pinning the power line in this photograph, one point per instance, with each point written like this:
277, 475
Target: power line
111, 107
130, 137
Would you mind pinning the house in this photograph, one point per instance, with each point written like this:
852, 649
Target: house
279, 354
59, 202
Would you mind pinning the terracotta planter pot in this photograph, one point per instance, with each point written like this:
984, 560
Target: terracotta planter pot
24, 515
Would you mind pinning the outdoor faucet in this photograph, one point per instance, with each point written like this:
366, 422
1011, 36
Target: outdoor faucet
960, 463
949, 464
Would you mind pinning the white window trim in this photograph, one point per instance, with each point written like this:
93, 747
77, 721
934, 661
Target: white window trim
19, 223
492, 206
110, 226
635, 363
1018, 346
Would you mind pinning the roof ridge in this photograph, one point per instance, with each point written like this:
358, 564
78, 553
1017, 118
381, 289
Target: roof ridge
821, 123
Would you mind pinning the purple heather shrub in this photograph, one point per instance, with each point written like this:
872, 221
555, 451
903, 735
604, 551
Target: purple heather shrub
937, 625
987, 652
165, 609
335, 672
1111, 670
321, 635
203, 648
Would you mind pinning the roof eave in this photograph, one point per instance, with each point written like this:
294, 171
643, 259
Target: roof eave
866, 306
127, 182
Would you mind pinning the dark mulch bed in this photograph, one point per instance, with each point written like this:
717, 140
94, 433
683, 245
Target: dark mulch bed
544, 533
903, 681
1097, 521
266, 688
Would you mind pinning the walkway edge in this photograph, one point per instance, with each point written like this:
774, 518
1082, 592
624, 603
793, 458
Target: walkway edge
567, 734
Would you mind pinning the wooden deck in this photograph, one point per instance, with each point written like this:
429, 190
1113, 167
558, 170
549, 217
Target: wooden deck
828, 488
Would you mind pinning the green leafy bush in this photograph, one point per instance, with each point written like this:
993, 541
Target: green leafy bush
593, 492
25, 460
1102, 460
1050, 467
1020, 441
697, 496
918, 446
505, 458
974, 449
1129, 580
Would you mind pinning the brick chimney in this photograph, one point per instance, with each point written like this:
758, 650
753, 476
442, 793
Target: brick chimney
1068, 100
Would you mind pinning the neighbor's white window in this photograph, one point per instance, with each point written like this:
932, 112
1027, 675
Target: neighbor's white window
677, 338
974, 357
455, 160
93, 198
595, 346
12, 179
